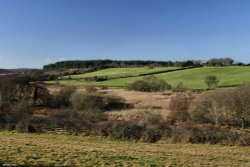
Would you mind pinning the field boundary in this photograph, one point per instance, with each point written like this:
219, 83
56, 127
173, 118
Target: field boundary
158, 72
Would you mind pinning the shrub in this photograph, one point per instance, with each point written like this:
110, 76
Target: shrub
211, 80
115, 103
96, 79
62, 98
229, 107
150, 84
179, 88
239, 105
90, 89
188, 133
154, 126
2, 119
124, 130
37, 123
76, 122
147, 127
179, 106
104, 88
19, 116
95, 102
209, 107
88, 102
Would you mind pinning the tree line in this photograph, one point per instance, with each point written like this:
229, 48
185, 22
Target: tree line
102, 64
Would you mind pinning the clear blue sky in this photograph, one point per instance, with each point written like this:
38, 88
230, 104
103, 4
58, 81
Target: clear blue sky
37, 32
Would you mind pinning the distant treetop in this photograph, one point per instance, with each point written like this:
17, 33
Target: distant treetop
220, 62
101, 64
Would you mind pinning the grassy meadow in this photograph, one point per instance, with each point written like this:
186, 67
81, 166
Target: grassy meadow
67, 150
120, 72
191, 78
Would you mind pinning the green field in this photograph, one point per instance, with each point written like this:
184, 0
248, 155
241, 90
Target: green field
66, 150
191, 78
120, 72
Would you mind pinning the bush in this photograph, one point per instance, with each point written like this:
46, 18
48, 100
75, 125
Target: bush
2, 117
37, 124
150, 84
76, 122
123, 130
179, 88
154, 126
62, 98
209, 107
188, 133
88, 102
19, 117
230, 107
90, 89
148, 127
95, 102
211, 80
96, 79
179, 106
238, 102
115, 103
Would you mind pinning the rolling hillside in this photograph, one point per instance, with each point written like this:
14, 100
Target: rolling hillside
112, 73
191, 78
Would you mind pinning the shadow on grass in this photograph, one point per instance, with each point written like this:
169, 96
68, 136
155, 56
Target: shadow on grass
229, 86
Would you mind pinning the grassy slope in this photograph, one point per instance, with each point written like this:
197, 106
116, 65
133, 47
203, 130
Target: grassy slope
194, 78
51, 149
191, 78
120, 72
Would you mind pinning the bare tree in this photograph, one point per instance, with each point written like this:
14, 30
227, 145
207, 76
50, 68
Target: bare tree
209, 107
215, 112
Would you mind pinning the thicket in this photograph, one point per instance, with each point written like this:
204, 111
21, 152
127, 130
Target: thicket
95, 102
150, 84
19, 116
147, 127
223, 107
179, 107
193, 133
228, 107
40, 75
16, 88
61, 99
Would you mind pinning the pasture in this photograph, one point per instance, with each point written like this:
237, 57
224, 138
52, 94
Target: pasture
120, 72
229, 76
68, 150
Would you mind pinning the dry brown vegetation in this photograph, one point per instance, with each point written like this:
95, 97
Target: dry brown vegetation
132, 115
153, 101
214, 117
65, 150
